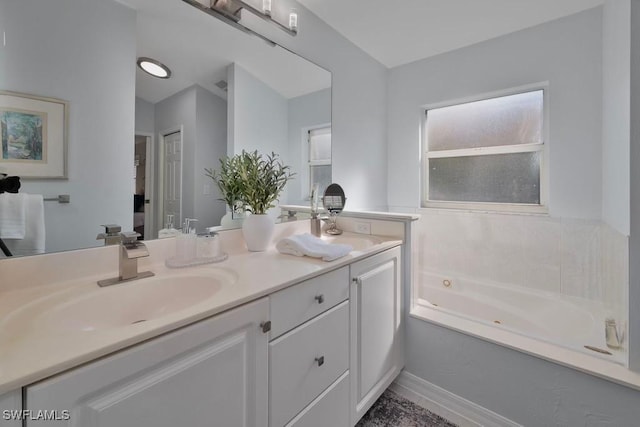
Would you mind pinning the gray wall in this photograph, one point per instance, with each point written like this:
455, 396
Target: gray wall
46, 51
171, 113
203, 118
634, 240
257, 117
211, 127
616, 118
305, 111
145, 116
568, 54
359, 105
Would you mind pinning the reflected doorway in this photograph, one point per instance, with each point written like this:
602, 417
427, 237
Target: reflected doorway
142, 189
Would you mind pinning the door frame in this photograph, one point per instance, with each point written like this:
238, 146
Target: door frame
160, 178
149, 187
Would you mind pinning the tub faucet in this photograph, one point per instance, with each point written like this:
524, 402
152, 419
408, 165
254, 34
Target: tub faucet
130, 250
613, 335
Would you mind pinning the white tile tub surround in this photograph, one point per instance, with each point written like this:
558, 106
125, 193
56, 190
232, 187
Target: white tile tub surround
579, 258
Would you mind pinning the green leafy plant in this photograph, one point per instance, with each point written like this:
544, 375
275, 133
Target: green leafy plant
228, 180
261, 180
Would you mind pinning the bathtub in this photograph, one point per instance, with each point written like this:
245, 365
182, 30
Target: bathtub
568, 322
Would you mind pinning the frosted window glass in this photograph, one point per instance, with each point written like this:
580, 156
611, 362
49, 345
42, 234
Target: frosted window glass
507, 120
500, 178
320, 175
320, 145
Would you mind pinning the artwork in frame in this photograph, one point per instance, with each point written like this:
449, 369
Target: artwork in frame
33, 136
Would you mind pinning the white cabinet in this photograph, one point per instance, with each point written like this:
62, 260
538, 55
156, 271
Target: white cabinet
309, 364
376, 328
212, 373
10, 409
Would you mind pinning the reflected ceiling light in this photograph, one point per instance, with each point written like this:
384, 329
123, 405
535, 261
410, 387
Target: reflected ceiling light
153, 67
230, 11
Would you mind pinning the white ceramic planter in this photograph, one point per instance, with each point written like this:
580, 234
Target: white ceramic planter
257, 231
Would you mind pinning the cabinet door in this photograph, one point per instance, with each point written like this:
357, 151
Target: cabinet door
11, 409
212, 373
376, 328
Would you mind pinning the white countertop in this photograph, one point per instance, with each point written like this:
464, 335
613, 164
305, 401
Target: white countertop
30, 353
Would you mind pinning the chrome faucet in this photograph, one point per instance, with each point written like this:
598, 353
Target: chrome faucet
130, 250
111, 235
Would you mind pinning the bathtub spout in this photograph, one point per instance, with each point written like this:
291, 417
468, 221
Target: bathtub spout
613, 335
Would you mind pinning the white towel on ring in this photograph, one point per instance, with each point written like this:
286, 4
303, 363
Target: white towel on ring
33, 242
312, 246
13, 215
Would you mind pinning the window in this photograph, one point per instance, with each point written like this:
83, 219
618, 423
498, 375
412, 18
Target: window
486, 154
319, 158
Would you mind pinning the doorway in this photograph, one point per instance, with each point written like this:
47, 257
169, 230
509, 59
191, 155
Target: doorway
171, 177
142, 189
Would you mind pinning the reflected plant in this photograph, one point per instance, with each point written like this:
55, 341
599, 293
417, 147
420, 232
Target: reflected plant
261, 180
227, 180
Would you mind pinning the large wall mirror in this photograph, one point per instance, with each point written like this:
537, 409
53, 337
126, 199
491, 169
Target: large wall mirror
136, 145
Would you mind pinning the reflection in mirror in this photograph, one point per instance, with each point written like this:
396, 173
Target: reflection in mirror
334, 201
227, 91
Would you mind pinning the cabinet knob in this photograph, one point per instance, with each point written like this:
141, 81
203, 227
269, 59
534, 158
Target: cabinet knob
320, 360
319, 298
265, 326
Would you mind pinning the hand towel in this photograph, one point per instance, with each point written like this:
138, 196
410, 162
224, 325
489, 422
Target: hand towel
312, 246
33, 242
12, 215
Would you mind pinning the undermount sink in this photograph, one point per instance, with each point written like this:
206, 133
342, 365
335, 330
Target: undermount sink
358, 242
129, 303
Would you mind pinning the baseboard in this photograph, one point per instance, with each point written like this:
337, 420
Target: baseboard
446, 404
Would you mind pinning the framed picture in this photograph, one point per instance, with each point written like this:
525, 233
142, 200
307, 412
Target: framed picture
34, 136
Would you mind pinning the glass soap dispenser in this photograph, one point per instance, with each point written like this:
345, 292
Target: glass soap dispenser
169, 230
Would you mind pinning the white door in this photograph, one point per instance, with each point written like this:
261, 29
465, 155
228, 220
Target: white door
211, 374
376, 328
172, 179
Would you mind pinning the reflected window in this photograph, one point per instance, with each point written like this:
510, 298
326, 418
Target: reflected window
319, 145
486, 154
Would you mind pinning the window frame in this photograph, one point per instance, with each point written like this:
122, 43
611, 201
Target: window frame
543, 148
306, 137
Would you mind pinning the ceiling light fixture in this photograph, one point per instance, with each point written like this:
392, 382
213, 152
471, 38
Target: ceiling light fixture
230, 11
153, 67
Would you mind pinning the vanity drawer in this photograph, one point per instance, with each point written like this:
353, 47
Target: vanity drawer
331, 408
295, 305
305, 361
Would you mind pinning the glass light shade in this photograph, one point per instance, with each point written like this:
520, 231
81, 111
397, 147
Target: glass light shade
155, 68
266, 7
293, 20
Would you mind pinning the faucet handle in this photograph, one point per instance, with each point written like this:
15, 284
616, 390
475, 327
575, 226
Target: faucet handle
129, 237
112, 228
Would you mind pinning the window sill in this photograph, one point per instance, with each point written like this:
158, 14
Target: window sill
498, 208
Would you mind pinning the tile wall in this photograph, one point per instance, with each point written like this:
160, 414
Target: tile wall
579, 258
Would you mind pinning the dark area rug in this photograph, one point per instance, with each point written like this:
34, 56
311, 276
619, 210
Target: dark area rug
393, 410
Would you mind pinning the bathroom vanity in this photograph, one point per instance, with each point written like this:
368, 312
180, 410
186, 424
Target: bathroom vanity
313, 344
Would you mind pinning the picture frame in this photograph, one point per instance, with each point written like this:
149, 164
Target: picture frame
33, 136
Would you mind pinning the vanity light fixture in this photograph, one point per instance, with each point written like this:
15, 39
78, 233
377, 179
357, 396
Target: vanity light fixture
293, 20
153, 67
266, 7
230, 11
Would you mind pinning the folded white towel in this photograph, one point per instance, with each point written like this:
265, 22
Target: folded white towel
309, 245
34, 239
12, 215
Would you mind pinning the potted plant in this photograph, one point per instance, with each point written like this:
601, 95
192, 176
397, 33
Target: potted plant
261, 181
228, 182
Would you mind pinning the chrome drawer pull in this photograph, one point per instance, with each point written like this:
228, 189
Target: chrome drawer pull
320, 360
319, 298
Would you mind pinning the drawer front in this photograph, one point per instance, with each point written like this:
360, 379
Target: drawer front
331, 408
295, 305
305, 361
